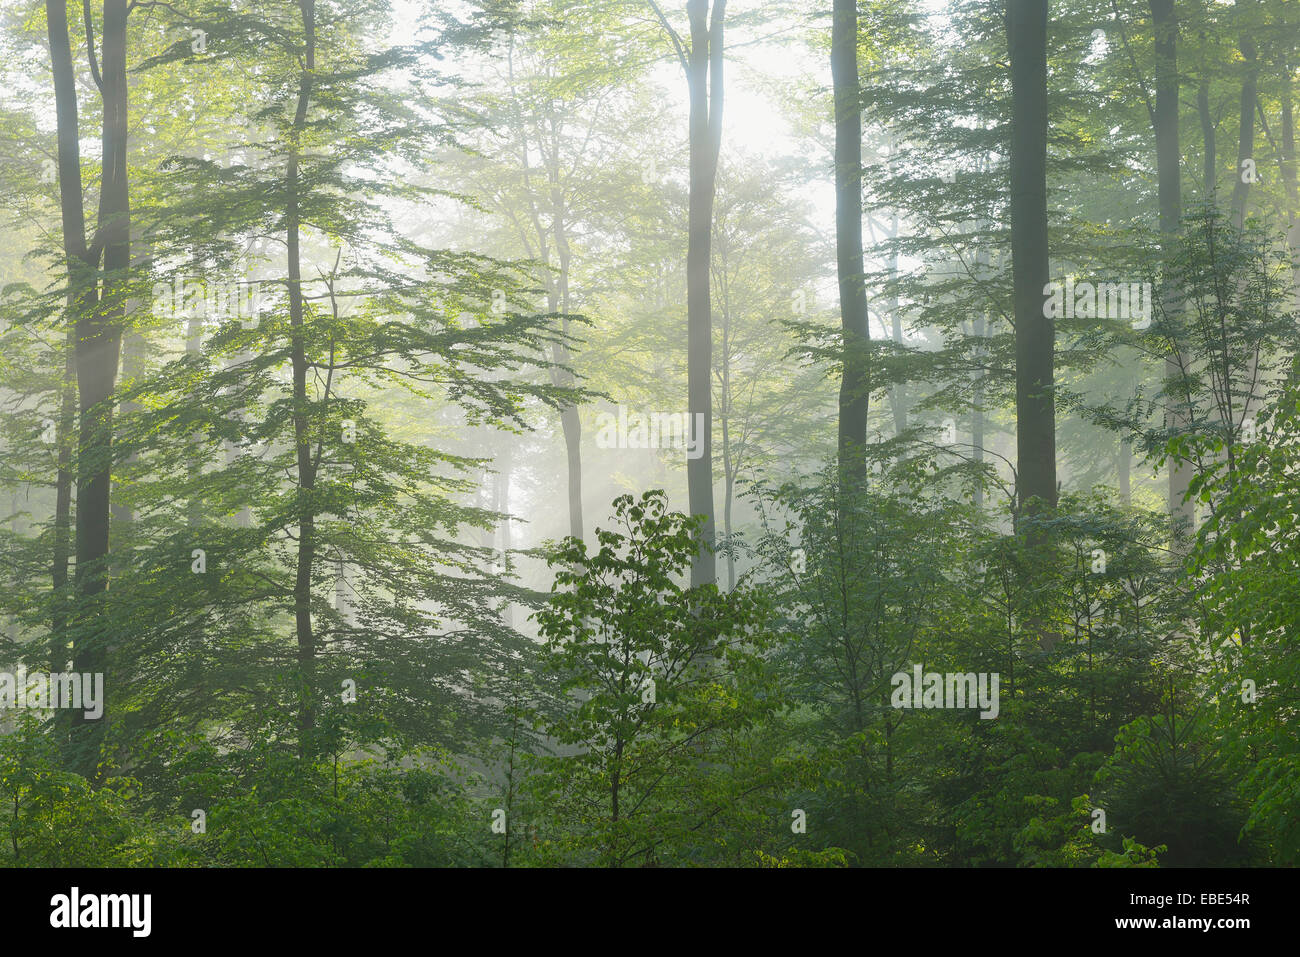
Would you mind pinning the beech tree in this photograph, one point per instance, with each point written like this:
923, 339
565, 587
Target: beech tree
1035, 332
97, 281
702, 61
854, 384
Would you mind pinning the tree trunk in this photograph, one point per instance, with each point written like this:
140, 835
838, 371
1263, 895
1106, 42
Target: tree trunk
302, 437
1208, 172
1169, 190
193, 346
63, 500
557, 290
570, 423
728, 478
1240, 194
1035, 332
898, 391
134, 349
96, 317
982, 327
705, 79
503, 539
342, 587
1289, 181
848, 242
1288, 166
724, 419
977, 415
1246, 119
1124, 471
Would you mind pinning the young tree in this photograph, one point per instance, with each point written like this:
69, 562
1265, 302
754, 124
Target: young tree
648, 726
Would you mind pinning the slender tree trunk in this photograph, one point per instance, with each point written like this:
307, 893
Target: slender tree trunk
570, 423
134, 359
854, 392
557, 292
1209, 174
1289, 166
1246, 118
1124, 471
63, 500
1289, 181
133, 366
726, 403
726, 513
1169, 190
244, 517
302, 439
724, 420
728, 468
342, 603
1035, 332
982, 328
977, 415
193, 345
705, 78
1240, 195
501, 505
898, 391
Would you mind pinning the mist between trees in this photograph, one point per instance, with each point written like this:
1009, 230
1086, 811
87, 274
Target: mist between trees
739, 434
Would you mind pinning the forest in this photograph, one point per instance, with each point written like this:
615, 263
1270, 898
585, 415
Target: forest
649, 433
